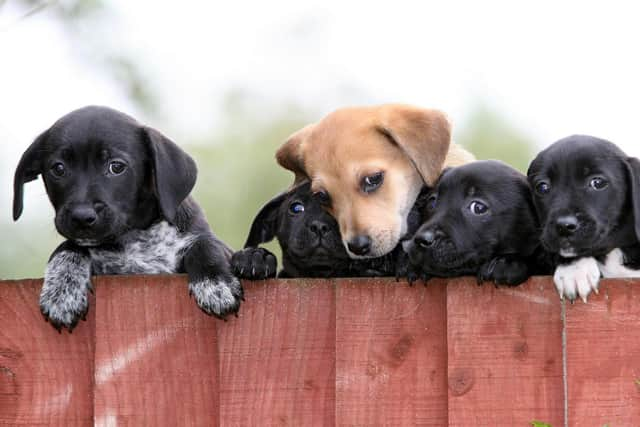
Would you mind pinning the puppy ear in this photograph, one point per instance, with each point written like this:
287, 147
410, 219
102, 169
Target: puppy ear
424, 136
29, 167
265, 224
290, 157
174, 172
633, 166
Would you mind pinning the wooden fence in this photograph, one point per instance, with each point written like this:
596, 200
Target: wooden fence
325, 352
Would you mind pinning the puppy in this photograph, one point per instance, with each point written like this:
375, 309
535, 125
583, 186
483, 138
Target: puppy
367, 166
587, 196
120, 192
310, 241
480, 221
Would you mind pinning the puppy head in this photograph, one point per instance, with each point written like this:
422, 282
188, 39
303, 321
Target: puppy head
584, 195
476, 212
309, 236
367, 166
105, 174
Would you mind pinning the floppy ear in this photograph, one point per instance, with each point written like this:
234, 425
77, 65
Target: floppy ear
264, 225
633, 166
28, 169
289, 155
424, 136
174, 172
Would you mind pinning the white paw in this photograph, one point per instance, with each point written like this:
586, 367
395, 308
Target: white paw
613, 266
218, 296
63, 299
578, 278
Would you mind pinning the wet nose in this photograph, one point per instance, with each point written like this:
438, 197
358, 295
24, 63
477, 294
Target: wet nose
319, 227
426, 239
360, 245
83, 216
567, 225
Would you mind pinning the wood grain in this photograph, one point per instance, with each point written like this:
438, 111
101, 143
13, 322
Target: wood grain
277, 359
46, 378
603, 356
505, 354
391, 359
156, 354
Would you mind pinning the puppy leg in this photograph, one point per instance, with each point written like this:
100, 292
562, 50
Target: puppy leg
63, 299
254, 264
405, 268
579, 277
504, 270
621, 263
216, 291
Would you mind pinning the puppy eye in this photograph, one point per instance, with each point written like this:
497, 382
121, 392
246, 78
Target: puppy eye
478, 208
432, 202
116, 167
58, 169
543, 188
296, 208
322, 197
598, 183
372, 182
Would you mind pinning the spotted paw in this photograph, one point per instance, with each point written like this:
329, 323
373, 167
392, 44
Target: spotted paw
577, 278
217, 296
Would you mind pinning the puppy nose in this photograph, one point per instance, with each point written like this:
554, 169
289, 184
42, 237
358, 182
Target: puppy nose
84, 216
567, 225
426, 239
319, 227
360, 245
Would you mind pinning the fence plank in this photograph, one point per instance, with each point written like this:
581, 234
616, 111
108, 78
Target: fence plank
156, 354
391, 360
505, 354
46, 378
277, 358
603, 357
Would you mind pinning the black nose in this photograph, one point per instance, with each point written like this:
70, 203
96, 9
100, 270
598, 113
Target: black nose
319, 227
567, 225
360, 245
426, 239
83, 216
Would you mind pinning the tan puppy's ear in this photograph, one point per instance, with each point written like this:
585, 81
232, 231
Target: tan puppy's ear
424, 135
290, 157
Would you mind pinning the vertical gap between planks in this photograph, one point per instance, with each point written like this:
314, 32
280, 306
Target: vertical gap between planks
335, 285
446, 340
565, 380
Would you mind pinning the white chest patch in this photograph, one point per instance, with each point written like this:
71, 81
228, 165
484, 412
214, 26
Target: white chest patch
158, 249
613, 266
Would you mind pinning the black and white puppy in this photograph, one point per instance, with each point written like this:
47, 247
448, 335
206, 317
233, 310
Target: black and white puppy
587, 196
120, 191
480, 221
310, 241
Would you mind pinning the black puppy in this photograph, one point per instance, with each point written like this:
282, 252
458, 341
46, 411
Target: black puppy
120, 191
310, 241
587, 196
480, 221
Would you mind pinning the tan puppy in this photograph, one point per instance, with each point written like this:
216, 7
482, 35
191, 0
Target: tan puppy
367, 166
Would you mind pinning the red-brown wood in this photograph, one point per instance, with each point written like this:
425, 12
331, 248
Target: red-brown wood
277, 358
391, 359
156, 354
46, 378
505, 354
603, 356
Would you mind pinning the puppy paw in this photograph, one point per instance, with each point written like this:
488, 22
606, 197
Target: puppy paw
63, 299
504, 271
578, 278
619, 263
254, 264
217, 296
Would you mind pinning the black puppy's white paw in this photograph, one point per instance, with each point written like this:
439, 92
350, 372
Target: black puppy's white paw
254, 264
504, 271
217, 296
617, 264
63, 299
577, 278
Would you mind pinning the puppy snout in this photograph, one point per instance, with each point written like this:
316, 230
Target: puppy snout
83, 216
320, 228
567, 225
360, 245
427, 238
